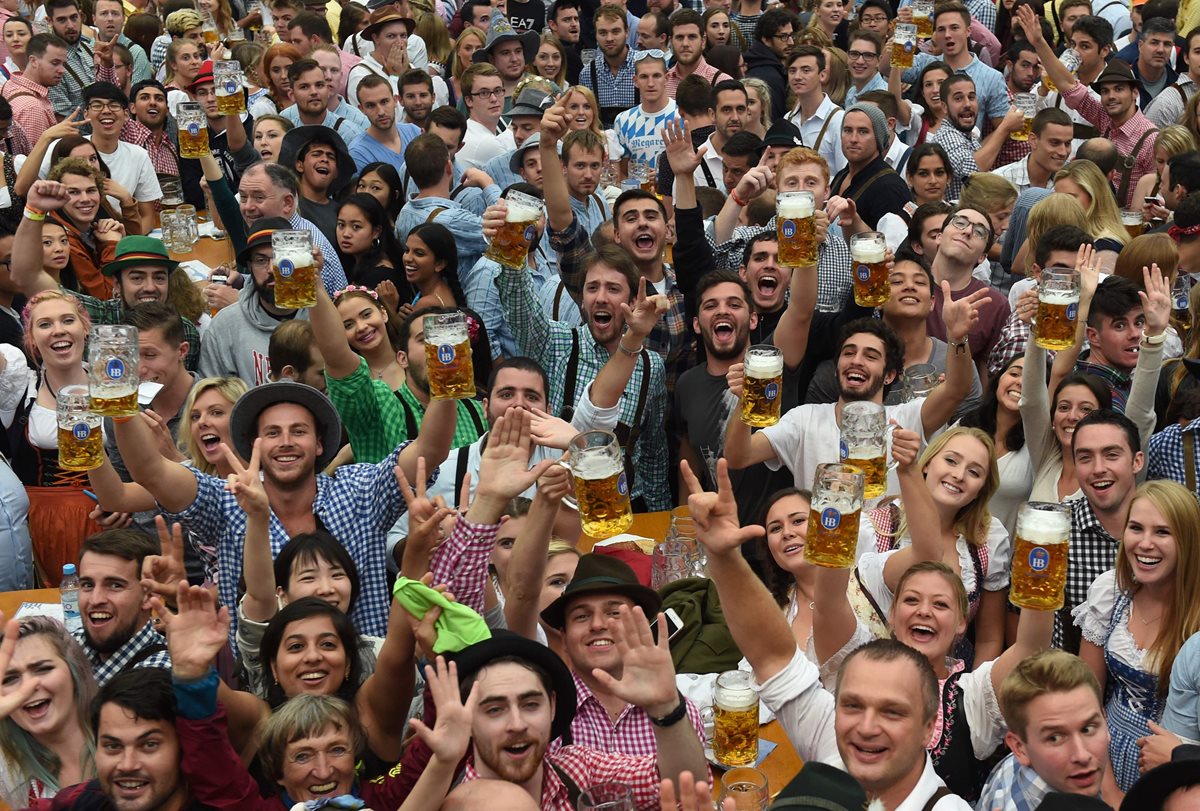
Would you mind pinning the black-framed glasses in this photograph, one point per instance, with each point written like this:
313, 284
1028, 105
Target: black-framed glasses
963, 223
489, 94
866, 56
105, 106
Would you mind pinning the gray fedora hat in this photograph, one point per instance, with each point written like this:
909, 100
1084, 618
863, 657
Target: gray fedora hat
243, 421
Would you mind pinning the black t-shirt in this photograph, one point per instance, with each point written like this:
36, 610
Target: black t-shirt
322, 215
876, 190
701, 410
529, 15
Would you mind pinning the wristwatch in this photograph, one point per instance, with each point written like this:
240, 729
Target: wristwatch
674, 716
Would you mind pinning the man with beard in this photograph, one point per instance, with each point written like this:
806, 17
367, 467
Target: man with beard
311, 94
867, 188
508, 52
147, 127
117, 633
611, 78
528, 697
416, 97
563, 20
295, 432
28, 91
1114, 113
66, 21
869, 356
967, 154
640, 227
688, 42
385, 139
1049, 147
1024, 73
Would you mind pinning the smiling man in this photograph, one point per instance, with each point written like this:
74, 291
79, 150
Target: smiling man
107, 108
1116, 324
147, 126
1049, 147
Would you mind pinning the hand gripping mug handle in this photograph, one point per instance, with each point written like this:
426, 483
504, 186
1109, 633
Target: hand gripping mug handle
887, 435
568, 501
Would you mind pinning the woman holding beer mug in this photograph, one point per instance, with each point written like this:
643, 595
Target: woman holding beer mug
1138, 615
45, 736
56, 328
943, 516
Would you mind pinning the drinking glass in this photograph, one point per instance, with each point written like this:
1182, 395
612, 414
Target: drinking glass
796, 228
448, 362
868, 255
1039, 561
904, 45
762, 385
920, 380
113, 370
193, 130
228, 81
510, 246
607, 797
597, 465
747, 787
294, 268
80, 440
735, 719
864, 432
1058, 305
1027, 104
837, 504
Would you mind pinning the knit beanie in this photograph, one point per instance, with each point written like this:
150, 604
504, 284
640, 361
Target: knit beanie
878, 121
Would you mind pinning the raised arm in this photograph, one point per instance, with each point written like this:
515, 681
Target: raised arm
26, 268
959, 317
832, 604
752, 184
1063, 79
923, 521
1034, 631
449, 738
1088, 265
554, 181
384, 698
115, 495
258, 570
791, 333
743, 447
71, 125
527, 563
640, 318
171, 484
985, 156
330, 337
434, 440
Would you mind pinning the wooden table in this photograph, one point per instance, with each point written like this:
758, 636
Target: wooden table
783, 763
10, 601
211, 252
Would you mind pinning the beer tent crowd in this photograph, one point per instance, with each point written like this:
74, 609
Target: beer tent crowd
496, 269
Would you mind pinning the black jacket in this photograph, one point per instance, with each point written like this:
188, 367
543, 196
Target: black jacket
762, 63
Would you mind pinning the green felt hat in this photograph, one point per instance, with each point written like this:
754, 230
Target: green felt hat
139, 251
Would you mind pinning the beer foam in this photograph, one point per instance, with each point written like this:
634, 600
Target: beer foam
1044, 527
593, 466
521, 213
1059, 297
870, 253
735, 698
794, 208
298, 257
764, 366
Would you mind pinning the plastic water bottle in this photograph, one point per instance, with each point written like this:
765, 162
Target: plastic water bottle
70, 598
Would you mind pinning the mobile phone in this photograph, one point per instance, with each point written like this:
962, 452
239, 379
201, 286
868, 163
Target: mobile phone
1153, 201
674, 624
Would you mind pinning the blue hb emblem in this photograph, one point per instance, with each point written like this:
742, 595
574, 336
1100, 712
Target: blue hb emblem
843, 451
788, 229
622, 485
81, 431
231, 87
445, 354
115, 369
771, 391
864, 273
530, 233
1181, 303
830, 518
908, 47
1039, 559
1072, 309
193, 129
286, 268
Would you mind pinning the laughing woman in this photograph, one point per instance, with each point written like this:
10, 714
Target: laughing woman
1153, 583
47, 692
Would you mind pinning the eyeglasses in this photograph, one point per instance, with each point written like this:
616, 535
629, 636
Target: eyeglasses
874, 19
260, 261
962, 223
305, 757
105, 107
788, 37
652, 53
865, 56
489, 94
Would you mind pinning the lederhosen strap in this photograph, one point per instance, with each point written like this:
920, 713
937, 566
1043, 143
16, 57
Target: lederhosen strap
900, 164
410, 419
708, 175
573, 790
942, 791
568, 409
67, 66
1189, 459
475, 420
433, 214
609, 114
337, 125
842, 175
1127, 164
144, 654
460, 472
558, 301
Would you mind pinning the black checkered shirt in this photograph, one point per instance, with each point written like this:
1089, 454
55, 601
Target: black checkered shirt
1092, 552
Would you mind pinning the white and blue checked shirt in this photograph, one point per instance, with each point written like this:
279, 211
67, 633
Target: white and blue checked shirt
1166, 454
1012, 787
105, 670
357, 507
640, 133
610, 90
80, 72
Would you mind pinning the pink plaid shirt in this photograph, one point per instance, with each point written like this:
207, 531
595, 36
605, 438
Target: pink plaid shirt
162, 151
461, 562
631, 734
30, 105
703, 70
587, 767
1124, 137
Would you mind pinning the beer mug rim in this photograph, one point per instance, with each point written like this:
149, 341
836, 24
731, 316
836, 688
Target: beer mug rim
109, 332
868, 408
868, 236
791, 195
837, 471
523, 200
583, 441
441, 320
1060, 274
764, 349
73, 397
1045, 507
906, 28
285, 235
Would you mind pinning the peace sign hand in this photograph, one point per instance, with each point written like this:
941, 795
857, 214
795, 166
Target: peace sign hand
420, 508
162, 573
245, 482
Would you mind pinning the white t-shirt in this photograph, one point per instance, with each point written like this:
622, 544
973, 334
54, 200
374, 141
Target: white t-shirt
640, 132
808, 436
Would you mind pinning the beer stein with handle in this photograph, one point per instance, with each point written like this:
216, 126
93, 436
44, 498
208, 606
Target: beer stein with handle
833, 519
295, 269
863, 445
607, 797
920, 380
868, 255
448, 361
747, 787
597, 465
113, 370
762, 386
228, 81
1039, 561
796, 228
510, 245
80, 442
193, 130
1058, 304
735, 719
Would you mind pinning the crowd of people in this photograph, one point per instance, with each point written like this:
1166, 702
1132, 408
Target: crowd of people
307, 579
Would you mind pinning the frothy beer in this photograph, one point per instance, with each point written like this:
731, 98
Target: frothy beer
510, 246
762, 394
873, 464
115, 395
871, 284
1056, 319
230, 98
79, 445
295, 278
1039, 562
832, 533
1181, 313
602, 493
735, 720
193, 140
796, 229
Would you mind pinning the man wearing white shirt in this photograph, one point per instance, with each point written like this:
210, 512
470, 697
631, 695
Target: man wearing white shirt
815, 115
483, 95
107, 111
362, 46
1049, 145
389, 31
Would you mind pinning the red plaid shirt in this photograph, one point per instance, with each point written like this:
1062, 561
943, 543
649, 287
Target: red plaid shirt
703, 70
158, 144
587, 767
461, 562
1124, 137
30, 105
18, 142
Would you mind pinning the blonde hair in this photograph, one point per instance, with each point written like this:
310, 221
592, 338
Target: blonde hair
1053, 209
1051, 671
973, 520
961, 602
1181, 618
432, 29
591, 99
456, 69
556, 43
761, 91
988, 192
1103, 216
838, 65
1175, 139
560, 547
231, 388
1142, 252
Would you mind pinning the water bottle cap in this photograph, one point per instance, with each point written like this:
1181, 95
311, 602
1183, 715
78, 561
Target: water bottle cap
68, 568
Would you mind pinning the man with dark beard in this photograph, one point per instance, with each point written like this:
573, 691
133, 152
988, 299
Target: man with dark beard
967, 154
240, 345
725, 317
117, 633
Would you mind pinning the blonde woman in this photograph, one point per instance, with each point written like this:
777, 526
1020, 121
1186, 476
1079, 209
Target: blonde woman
827, 16
468, 42
1147, 250
583, 114
1170, 141
837, 82
432, 29
221, 13
758, 97
1084, 181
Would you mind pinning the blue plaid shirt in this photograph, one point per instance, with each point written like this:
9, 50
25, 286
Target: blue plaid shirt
1166, 453
1012, 787
105, 670
613, 91
357, 507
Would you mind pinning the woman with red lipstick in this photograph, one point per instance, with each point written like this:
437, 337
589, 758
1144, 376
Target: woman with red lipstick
45, 736
1139, 614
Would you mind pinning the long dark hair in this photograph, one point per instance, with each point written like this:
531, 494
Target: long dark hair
300, 610
777, 581
917, 94
390, 176
984, 417
386, 246
441, 242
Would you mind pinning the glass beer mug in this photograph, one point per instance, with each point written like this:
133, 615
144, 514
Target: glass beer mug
1181, 310
597, 465
607, 797
80, 444
1039, 561
837, 504
294, 268
920, 380
1027, 104
1070, 60
863, 445
1058, 304
448, 361
113, 370
1131, 218
228, 81
868, 254
922, 12
510, 246
735, 719
762, 386
796, 228
193, 130
904, 45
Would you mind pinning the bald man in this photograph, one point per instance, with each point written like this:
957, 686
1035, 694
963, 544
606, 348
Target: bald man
486, 795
